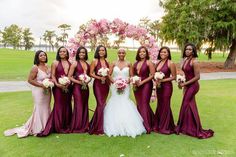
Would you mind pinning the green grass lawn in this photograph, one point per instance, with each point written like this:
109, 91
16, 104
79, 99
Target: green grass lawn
16, 64
216, 105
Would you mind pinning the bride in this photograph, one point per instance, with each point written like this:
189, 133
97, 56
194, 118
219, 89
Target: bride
121, 117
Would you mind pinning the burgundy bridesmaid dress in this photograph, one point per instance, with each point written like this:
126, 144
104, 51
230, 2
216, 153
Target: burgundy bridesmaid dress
189, 120
80, 115
60, 117
142, 96
101, 92
163, 119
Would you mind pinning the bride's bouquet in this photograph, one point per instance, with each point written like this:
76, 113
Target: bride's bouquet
103, 72
120, 85
85, 80
159, 76
64, 81
134, 80
48, 84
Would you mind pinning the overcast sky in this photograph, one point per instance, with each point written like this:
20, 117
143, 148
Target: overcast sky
41, 15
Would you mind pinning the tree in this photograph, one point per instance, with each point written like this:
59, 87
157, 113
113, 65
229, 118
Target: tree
153, 27
223, 28
144, 22
48, 36
0, 36
12, 36
182, 23
200, 21
64, 35
28, 40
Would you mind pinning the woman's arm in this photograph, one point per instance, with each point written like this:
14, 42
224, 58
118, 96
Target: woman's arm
53, 69
71, 72
32, 77
111, 71
196, 77
92, 68
173, 73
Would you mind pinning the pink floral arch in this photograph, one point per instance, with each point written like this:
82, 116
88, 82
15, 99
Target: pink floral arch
95, 29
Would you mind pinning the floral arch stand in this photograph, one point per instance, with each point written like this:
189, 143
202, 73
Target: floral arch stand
95, 30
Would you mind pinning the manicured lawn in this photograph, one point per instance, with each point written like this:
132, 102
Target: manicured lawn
216, 104
16, 64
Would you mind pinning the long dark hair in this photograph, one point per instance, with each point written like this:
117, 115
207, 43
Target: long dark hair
96, 54
194, 50
139, 49
36, 57
78, 52
168, 50
58, 58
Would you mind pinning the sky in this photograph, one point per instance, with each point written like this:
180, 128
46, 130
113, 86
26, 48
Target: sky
41, 15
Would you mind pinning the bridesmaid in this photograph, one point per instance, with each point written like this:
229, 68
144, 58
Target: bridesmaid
163, 119
80, 116
100, 89
37, 122
145, 70
60, 117
189, 120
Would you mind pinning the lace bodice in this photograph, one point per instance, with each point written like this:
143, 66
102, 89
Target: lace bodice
123, 73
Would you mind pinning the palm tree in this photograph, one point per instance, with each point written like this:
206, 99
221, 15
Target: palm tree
28, 40
154, 28
48, 37
64, 35
144, 22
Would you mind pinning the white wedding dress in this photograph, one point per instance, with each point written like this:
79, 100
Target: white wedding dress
121, 117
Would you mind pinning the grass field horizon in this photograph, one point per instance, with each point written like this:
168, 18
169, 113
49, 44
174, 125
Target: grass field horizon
16, 64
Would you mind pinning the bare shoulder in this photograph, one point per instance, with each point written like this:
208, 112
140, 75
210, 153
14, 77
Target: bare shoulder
55, 62
194, 61
170, 62
34, 68
88, 62
150, 63
74, 63
107, 61
95, 60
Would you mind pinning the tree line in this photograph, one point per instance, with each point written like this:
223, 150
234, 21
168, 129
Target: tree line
19, 37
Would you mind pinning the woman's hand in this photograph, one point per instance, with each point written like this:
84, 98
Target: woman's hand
103, 79
139, 83
158, 82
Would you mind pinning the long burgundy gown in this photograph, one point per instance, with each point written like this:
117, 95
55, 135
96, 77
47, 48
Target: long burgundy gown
60, 117
163, 119
101, 92
80, 115
142, 96
189, 121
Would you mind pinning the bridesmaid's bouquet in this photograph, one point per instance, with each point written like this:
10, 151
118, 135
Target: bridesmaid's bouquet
134, 80
103, 72
120, 85
85, 80
159, 76
64, 81
180, 78
48, 84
